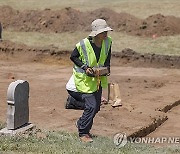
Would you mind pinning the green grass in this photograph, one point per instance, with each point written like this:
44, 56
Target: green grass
2, 125
168, 45
139, 8
66, 143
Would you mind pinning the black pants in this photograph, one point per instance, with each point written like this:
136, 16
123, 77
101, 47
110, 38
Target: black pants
75, 101
92, 104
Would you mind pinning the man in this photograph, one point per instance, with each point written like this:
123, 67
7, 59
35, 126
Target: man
91, 52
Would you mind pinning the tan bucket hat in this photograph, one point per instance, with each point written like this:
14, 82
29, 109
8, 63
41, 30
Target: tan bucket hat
98, 26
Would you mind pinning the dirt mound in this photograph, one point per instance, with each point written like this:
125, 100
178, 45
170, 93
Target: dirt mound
159, 25
126, 57
69, 19
9, 47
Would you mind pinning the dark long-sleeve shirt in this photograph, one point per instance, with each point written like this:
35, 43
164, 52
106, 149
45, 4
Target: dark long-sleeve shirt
75, 56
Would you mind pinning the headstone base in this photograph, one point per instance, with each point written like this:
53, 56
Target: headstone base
21, 129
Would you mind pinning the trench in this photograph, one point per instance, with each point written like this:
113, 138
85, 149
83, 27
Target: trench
169, 107
156, 123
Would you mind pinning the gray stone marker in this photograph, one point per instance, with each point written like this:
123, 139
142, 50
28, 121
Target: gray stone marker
18, 108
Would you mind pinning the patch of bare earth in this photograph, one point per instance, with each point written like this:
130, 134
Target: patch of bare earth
149, 87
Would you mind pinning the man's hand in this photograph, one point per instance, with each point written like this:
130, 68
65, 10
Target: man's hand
90, 72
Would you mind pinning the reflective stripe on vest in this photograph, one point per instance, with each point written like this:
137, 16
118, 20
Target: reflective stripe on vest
82, 44
79, 70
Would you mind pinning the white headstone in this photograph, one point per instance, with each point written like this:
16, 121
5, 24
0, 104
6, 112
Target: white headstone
18, 105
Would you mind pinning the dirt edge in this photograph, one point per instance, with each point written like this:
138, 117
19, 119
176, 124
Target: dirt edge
169, 107
158, 121
146, 130
127, 57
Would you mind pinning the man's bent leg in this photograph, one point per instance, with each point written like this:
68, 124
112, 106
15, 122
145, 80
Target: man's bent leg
74, 101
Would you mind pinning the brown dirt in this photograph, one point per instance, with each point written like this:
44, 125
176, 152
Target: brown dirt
69, 19
126, 57
148, 85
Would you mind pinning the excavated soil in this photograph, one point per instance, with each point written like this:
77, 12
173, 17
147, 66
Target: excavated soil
126, 57
71, 20
149, 88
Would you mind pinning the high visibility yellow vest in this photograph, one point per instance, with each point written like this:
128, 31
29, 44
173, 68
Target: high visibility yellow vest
84, 83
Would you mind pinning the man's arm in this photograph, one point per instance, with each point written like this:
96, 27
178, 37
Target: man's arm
75, 58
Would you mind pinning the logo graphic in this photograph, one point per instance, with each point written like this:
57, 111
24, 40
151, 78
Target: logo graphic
120, 139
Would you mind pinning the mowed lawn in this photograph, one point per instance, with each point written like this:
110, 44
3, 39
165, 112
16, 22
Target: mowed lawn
166, 45
68, 143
